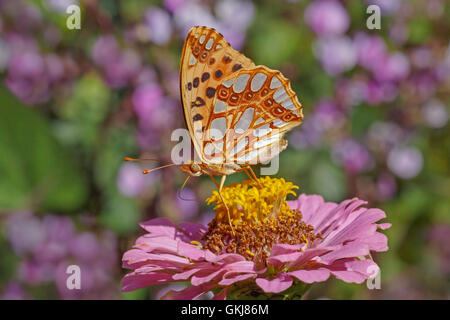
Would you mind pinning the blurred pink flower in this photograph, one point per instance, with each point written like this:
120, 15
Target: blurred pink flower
353, 155
170, 253
327, 17
47, 246
146, 98
159, 26
337, 54
405, 162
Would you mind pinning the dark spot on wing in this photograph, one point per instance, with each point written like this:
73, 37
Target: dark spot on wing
237, 66
196, 82
226, 59
205, 76
197, 117
198, 102
218, 74
210, 92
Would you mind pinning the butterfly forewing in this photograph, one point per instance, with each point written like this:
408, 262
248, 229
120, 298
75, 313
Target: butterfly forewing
236, 112
207, 59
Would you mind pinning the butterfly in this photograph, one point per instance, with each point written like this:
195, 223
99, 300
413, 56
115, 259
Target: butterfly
236, 112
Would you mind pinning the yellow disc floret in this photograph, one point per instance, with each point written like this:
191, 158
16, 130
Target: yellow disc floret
253, 201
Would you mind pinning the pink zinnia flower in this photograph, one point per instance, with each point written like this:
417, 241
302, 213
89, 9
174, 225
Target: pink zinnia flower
283, 245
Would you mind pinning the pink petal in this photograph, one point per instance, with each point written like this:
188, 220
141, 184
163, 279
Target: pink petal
230, 281
384, 226
133, 281
150, 244
312, 275
349, 276
361, 226
279, 284
350, 250
189, 251
309, 254
284, 258
284, 248
160, 227
186, 274
193, 231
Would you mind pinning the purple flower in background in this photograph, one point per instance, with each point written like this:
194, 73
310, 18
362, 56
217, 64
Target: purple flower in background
193, 14
423, 83
337, 54
13, 291
326, 116
388, 7
235, 13
398, 33
130, 180
380, 92
353, 155
327, 17
30, 74
24, 232
394, 67
174, 5
233, 19
370, 49
120, 67
187, 204
146, 98
60, 5
350, 92
435, 114
405, 162
48, 245
422, 57
159, 26
386, 186
372, 55
383, 136
105, 51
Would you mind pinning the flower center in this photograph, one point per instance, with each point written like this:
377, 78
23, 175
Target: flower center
261, 218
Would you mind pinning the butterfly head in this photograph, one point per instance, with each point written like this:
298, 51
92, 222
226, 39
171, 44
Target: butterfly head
193, 169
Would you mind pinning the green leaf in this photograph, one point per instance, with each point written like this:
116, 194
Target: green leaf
274, 43
35, 171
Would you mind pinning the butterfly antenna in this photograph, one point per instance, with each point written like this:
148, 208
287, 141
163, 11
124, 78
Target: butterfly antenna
181, 189
154, 169
149, 159
139, 159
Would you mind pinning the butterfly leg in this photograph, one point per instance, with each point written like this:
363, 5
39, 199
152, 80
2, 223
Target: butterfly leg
219, 187
252, 175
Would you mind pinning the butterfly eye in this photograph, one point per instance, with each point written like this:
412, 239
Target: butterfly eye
195, 168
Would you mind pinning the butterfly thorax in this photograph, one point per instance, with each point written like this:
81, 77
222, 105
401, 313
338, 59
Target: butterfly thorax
197, 169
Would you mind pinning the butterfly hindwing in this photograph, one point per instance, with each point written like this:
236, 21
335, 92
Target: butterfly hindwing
253, 108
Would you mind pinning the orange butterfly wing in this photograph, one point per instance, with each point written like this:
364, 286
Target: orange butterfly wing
236, 112
257, 106
206, 60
